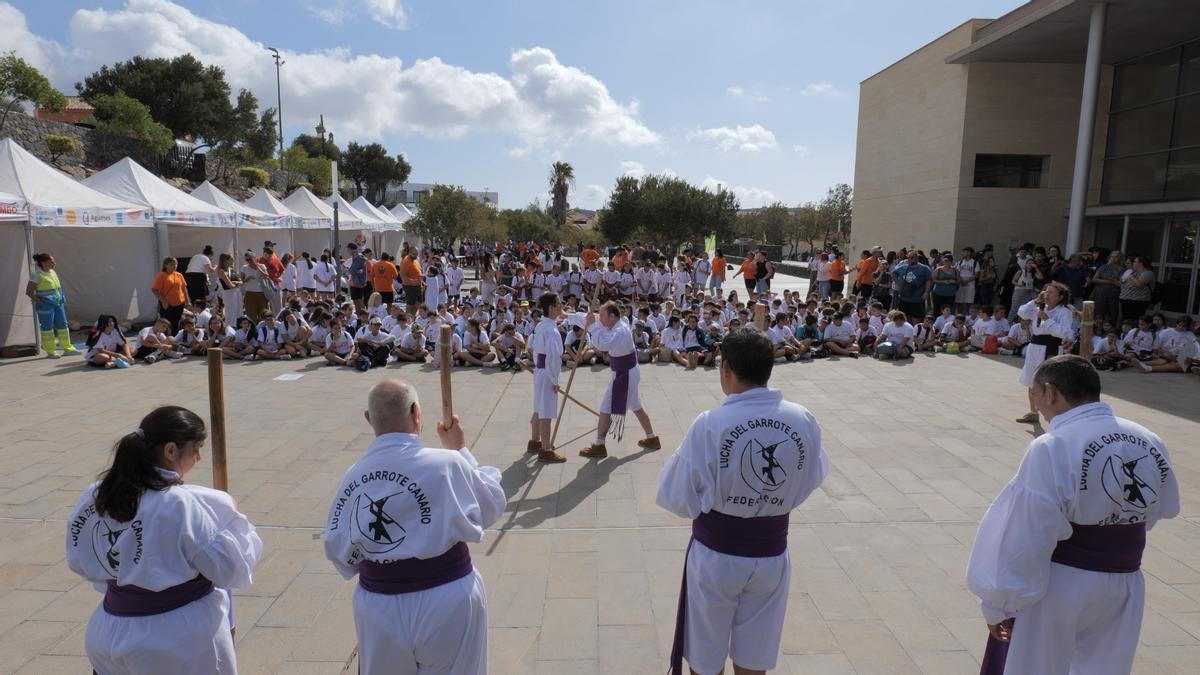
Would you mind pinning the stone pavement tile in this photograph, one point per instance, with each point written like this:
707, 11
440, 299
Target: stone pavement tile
264, 649
57, 577
511, 650
943, 594
910, 623
818, 664
80, 600
47, 664
247, 610
71, 644
1167, 660
331, 637
275, 572
871, 647
1167, 598
569, 630
971, 634
574, 575
834, 594
302, 602
866, 569
1166, 568
624, 599
14, 575
804, 631
1160, 630
291, 667
630, 649
938, 507
944, 662
562, 667
517, 600
1188, 621
619, 551
25, 641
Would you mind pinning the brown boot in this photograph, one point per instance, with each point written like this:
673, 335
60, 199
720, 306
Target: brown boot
594, 451
650, 443
550, 457
1029, 418
533, 446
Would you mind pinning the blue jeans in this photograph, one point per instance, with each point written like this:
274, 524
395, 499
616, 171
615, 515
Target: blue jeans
762, 285
51, 311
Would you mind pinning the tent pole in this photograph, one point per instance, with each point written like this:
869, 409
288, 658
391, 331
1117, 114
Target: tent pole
37, 335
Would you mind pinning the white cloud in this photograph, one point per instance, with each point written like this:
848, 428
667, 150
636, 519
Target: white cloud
389, 13
821, 88
754, 138
735, 92
330, 13
593, 196
801, 150
541, 101
749, 94
748, 197
633, 169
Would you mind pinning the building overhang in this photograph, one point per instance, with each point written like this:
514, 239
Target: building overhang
1150, 209
1056, 31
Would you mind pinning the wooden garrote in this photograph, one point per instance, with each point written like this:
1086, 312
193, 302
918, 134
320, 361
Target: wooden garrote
444, 364
574, 367
1087, 329
216, 416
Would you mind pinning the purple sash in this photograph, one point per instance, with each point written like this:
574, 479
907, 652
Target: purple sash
764, 537
621, 365
1115, 549
541, 362
413, 574
137, 601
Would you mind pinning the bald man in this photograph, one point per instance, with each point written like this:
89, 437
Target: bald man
399, 520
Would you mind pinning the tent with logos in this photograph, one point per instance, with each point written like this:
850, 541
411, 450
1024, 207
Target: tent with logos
254, 227
388, 230
104, 247
183, 223
353, 226
312, 228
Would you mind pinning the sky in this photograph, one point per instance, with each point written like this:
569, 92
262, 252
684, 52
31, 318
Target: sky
760, 97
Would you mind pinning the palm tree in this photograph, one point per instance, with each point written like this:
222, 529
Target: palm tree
562, 177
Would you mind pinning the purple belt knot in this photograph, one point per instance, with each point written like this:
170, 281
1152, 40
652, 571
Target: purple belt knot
541, 362
414, 574
132, 600
762, 537
621, 365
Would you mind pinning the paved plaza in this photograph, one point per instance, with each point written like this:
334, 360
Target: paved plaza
583, 570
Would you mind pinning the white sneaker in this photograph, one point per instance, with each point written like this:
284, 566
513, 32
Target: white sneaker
285, 357
1004, 352
1145, 367
391, 359
53, 355
175, 356
491, 364
152, 358
248, 358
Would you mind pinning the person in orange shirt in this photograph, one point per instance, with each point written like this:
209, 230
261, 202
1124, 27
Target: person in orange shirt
716, 277
620, 258
864, 280
410, 277
383, 278
748, 271
837, 275
589, 256
171, 290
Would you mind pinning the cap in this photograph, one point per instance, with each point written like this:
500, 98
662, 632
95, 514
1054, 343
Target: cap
375, 319
269, 244
352, 246
877, 249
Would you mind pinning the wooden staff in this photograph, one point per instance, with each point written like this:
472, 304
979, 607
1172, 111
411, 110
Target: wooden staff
760, 316
216, 416
579, 403
1087, 329
574, 367
444, 366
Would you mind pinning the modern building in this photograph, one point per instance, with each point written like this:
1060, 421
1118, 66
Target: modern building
410, 194
974, 138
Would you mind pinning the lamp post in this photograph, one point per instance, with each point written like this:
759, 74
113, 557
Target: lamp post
278, 100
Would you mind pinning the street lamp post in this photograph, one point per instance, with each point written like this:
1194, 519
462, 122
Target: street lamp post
278, 100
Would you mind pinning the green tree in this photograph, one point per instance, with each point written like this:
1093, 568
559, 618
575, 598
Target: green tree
562, 178
531, 223
187, 97
124, 116
317, 148
260, 143
59, 146
448, 213
666, 210
21, 82
316, 169
254, 176
834, 212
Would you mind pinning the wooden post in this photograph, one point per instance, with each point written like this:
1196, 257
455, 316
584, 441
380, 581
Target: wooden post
216, 416
444, 365
1087, 329
760, 316
574, 367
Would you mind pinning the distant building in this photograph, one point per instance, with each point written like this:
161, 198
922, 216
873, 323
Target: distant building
78, 111
583, 219
410, 194
972, 139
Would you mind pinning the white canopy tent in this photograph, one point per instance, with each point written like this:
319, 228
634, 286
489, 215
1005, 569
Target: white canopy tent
103, 246
16, 313
184, 224
316, 217
255, 227
353, 225
402, 214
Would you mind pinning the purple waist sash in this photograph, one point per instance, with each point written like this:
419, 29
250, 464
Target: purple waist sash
1115, 549
137, 601
413, 574
541, 362
621, 365
764, 537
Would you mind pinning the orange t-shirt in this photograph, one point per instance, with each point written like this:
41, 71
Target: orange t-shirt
837, 271
749, 268
866, 270
619, 260
718, 267
383, 276
171, 287
410, 272
589, 256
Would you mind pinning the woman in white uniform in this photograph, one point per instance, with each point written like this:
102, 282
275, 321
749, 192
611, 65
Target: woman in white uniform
1050, 316
163, 553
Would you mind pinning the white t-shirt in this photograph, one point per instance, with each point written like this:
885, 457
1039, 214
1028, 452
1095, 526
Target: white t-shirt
896, 334
199, 264
146, 332
341, 343
842, 333
411, 342
304, 274
113, 342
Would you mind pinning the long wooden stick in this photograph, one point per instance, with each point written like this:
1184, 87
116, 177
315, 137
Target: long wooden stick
574, 367
216, 416
444, 367
579, 403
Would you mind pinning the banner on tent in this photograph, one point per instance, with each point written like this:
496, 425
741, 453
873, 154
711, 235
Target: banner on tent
90, 217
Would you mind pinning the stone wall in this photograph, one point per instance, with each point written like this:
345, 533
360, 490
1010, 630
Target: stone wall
94, 148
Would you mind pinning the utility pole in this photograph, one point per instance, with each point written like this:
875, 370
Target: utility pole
278, 101
321, 132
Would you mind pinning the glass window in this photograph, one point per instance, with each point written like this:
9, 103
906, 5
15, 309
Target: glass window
1175, 282
1183, 175
1010, 171
1151, 78
1190, 81
1145, 238
1187, 122
1108, 233
1181, 241
1140, 130
1135, 179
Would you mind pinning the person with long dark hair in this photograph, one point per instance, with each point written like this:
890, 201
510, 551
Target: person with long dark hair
106, 346
165, 552
50, 305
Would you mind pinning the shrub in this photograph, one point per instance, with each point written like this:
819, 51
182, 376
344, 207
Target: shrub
59, 146
303, 185
254, 176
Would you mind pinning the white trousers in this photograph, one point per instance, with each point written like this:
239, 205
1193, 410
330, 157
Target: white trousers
545, 401
634, 402
192, 639
1034, 356
735, 609
441, 630
1086, 624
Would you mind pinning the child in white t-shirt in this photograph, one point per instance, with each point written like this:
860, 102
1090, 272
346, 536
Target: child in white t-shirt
153, 343
340, 349
896, 339
107, 347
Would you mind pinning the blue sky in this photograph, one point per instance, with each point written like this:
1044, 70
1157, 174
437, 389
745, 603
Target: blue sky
758, 96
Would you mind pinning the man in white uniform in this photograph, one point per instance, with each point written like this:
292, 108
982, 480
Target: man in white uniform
1057, 556
400, 520
547, 347
741, 469
614, 337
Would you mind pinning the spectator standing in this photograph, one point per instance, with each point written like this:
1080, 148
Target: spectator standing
231, 288
410, 279
274, 276
50, 304
1106, 289
1075, 277
171, 290
945, 285
968, 271
914, 282
356, 276
254, 280
865, 272
198, 270
1137, 286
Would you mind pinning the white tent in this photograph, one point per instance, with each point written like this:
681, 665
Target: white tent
392, 243
16, 312
315, 233
104, 246
254, 226
184, 224
353, 225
